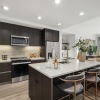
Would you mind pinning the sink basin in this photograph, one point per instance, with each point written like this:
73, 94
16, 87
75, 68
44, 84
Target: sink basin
63, 62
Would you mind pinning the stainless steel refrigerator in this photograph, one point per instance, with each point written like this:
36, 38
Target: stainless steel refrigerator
52, 49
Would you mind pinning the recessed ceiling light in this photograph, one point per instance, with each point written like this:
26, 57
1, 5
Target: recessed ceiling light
39, 18
81, 13
59, 24
57, 1
5, 8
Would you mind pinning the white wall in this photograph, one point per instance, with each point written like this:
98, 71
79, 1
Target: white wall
60, 40
71, 40
89, 30
89, 27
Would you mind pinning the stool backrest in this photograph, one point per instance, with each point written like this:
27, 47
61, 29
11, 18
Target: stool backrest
76, 77
94, 70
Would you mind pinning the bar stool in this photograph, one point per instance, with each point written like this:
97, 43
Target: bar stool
92, 77
73, 85
98, 76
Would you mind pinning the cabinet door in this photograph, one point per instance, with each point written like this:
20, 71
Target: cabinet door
24, 31
55, 36
8, 66
35, 37
4, 33
8, 77
15, 30
2, 78
19, 30
2, 67
5, 77
48, 35
51, 35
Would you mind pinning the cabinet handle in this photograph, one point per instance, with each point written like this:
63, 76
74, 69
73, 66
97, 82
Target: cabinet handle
5, 72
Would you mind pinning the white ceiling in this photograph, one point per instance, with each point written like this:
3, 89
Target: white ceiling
67, 13
86, 28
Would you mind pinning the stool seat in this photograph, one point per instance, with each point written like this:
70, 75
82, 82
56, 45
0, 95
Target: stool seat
98, 69
91, 78
70, 88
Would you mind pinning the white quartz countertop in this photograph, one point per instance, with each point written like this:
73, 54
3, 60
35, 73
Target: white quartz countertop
4, 61
63, 69
39, 58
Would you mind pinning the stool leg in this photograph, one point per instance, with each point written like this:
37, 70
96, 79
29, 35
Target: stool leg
84, 90
86, 84
96, 88
75, 90
69, 96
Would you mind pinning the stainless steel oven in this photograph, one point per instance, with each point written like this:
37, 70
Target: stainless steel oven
19, 69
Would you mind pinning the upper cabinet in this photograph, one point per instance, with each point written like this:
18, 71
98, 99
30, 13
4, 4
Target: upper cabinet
4, 33
35, 37
51, 35
19, 30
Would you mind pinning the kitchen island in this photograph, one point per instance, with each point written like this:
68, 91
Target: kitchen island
43, 79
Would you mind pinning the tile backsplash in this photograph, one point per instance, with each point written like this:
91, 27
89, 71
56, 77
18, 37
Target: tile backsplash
19, 51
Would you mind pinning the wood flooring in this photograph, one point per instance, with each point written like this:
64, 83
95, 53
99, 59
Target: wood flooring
19, 91
16, 91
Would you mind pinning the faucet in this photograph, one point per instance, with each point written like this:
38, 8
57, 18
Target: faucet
67, 56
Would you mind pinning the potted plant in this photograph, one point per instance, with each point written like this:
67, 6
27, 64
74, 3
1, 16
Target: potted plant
83, 48
92, 49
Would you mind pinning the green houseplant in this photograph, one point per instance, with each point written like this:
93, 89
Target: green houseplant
82, 45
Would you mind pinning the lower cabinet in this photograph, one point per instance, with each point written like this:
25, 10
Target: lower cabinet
5, 77
5, 73
2, 78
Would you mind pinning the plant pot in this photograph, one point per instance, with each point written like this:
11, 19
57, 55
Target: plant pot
81, 56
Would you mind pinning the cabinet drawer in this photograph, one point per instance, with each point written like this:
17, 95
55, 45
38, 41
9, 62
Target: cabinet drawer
5, 77
8, 66
2, 78
8, 77
2, 67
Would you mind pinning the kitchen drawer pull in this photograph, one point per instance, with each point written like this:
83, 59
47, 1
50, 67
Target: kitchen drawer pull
5, 72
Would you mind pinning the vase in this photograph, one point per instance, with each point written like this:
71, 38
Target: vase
81, 56
90, 50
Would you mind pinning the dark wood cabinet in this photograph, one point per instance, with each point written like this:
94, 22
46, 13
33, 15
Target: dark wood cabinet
55, 36
2, 67
5, 33
8, 77
5, 77
35, 37
51, 35
2, 77
5, 72
40, 86
48, 35
8, 66
19, 30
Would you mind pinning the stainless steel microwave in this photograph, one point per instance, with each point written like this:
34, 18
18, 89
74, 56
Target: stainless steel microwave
19, 40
